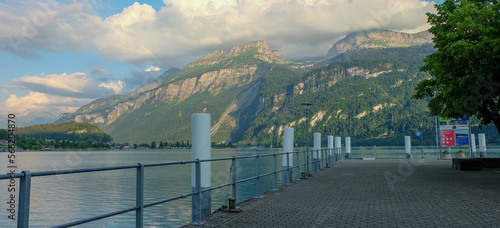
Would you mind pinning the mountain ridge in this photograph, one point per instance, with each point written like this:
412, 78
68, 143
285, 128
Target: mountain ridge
378, 38
252, 92
189, 84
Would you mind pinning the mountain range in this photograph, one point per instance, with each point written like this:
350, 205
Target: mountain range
362, 88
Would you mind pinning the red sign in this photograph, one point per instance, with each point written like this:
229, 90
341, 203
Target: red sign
448, 138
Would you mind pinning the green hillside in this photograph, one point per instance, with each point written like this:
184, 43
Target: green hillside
72, 131
380, 105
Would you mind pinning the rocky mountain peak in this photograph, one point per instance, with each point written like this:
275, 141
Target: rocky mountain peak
259, 49
259, 46
378, 38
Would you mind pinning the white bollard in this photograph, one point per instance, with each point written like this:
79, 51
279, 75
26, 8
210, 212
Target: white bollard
338, 147
473, 146
330, 149
316, 151
287, 160
482, 145
408, 147
201, 142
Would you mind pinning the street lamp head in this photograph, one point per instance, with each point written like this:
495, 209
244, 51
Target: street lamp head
306, 105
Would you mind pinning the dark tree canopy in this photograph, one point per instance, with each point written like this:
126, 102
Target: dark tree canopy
465, 69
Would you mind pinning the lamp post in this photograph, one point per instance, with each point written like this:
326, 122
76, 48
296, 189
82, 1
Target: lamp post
306, 106
422, 139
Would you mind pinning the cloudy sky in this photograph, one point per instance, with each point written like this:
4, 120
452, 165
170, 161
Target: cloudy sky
56, 56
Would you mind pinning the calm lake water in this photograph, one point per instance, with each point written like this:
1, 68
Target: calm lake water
60, 199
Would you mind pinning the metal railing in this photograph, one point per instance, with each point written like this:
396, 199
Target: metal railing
26, 176
417, 152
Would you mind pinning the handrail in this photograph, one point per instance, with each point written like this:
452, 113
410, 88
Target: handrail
25, 182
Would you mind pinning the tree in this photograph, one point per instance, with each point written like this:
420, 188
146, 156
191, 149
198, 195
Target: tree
153, 145
465, 69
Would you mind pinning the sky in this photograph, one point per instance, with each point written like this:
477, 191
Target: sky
56, 56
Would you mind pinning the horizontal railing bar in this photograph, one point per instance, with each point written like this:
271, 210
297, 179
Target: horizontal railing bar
97, 217
245, 157
170, 199
70, 171
217, 187
8, 176
271, 155
218, 159
247, 179
267, 174
170, 163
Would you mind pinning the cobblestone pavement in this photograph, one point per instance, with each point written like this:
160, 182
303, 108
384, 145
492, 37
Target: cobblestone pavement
380, 193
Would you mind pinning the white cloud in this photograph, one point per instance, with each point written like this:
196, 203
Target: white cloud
153, 68
115, 86
77, 85
41, 102
28, 26
58, 93
184, 30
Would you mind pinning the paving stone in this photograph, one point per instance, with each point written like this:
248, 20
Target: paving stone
380, 193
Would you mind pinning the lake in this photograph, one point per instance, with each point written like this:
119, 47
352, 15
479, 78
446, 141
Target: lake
60, 199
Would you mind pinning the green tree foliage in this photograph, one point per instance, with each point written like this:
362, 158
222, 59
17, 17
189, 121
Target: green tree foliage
4, 134
466, 65
42, 144
71, 131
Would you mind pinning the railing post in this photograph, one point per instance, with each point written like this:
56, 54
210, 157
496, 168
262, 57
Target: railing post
323, 156
307, 156
258, 176
23, 219
275, 183
197, 215
330, 148
298, 165
288, 169
234, 176
139, 194
306, 163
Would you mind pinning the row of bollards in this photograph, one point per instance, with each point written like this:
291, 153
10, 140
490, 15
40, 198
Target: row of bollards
331, 150
201, 169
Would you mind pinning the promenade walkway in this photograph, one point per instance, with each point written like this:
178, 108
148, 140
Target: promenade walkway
380, 193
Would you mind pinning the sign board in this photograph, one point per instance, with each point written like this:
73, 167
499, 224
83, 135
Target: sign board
460, 119
454, 127
418, 133
444, 119
461, 137
448, 137
454, 135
